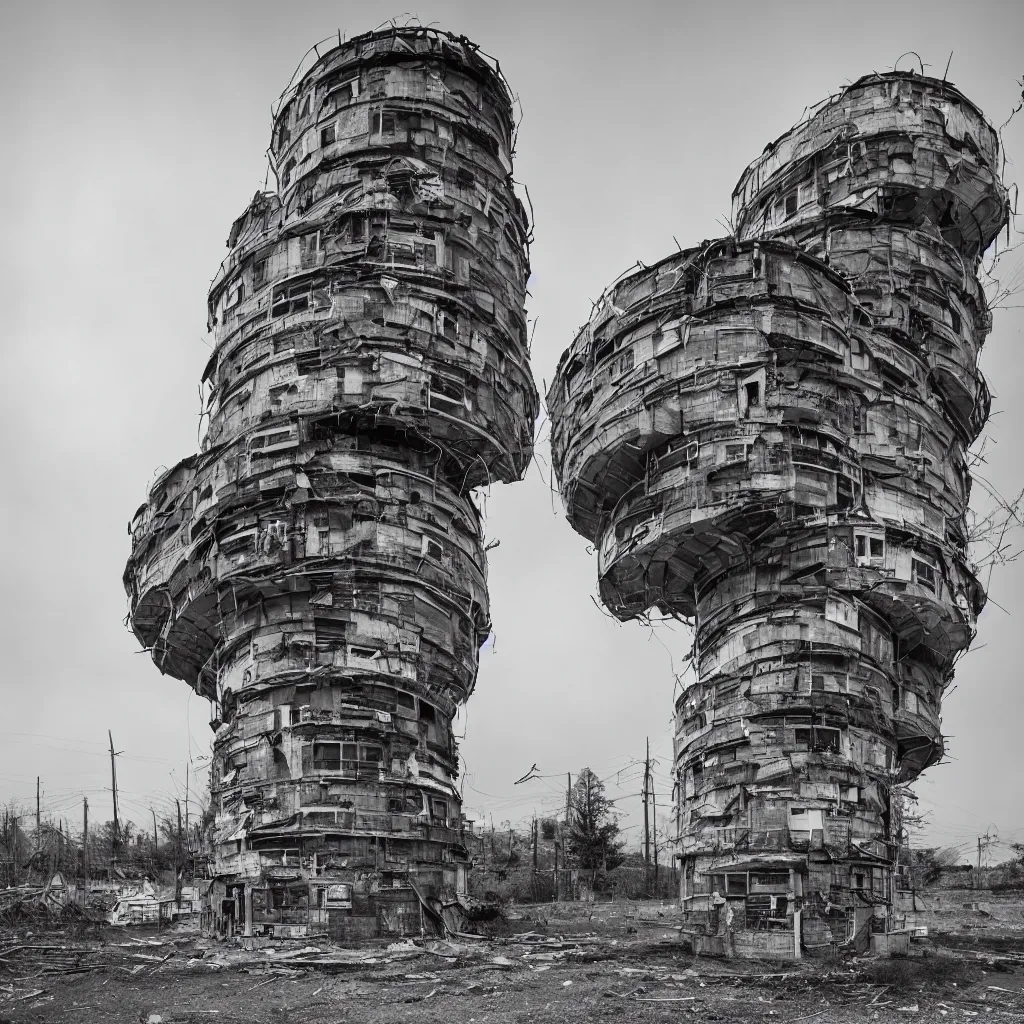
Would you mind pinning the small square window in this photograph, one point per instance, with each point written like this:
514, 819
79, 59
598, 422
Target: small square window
924, 574
328, 134
344, 94
382, 124
326, 757
825, 739
869, 547
736, 885
425, 254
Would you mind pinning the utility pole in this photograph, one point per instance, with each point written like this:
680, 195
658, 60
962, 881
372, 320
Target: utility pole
156, 842
894, 828
188, 836
568, 819
535, 843
39, 828
85, 840
568, 801
654, 816
647, 825
113, 786
177, 857
590, 831
987, 840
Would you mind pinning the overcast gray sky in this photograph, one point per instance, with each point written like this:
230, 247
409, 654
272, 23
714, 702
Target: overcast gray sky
135, 133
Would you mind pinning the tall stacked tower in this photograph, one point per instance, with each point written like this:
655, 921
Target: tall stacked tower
318, 569
767, 435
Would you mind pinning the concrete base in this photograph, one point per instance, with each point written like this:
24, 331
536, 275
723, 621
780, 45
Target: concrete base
770, 945
746, 945
891, 944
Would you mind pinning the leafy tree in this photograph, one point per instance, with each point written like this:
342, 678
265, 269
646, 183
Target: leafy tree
117, 845
928, 864
593, 828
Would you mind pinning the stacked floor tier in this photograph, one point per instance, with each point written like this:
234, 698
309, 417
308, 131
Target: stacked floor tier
318, 569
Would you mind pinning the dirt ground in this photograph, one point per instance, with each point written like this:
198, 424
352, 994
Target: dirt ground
615, 962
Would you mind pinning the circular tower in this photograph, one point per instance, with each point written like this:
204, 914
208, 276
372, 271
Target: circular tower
767, 435
318, 569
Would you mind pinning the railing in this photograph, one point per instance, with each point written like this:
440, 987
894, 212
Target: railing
331, 817
730, 837
314, 259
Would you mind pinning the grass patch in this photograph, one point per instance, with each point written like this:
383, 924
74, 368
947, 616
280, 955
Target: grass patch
981, 943
905, 974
